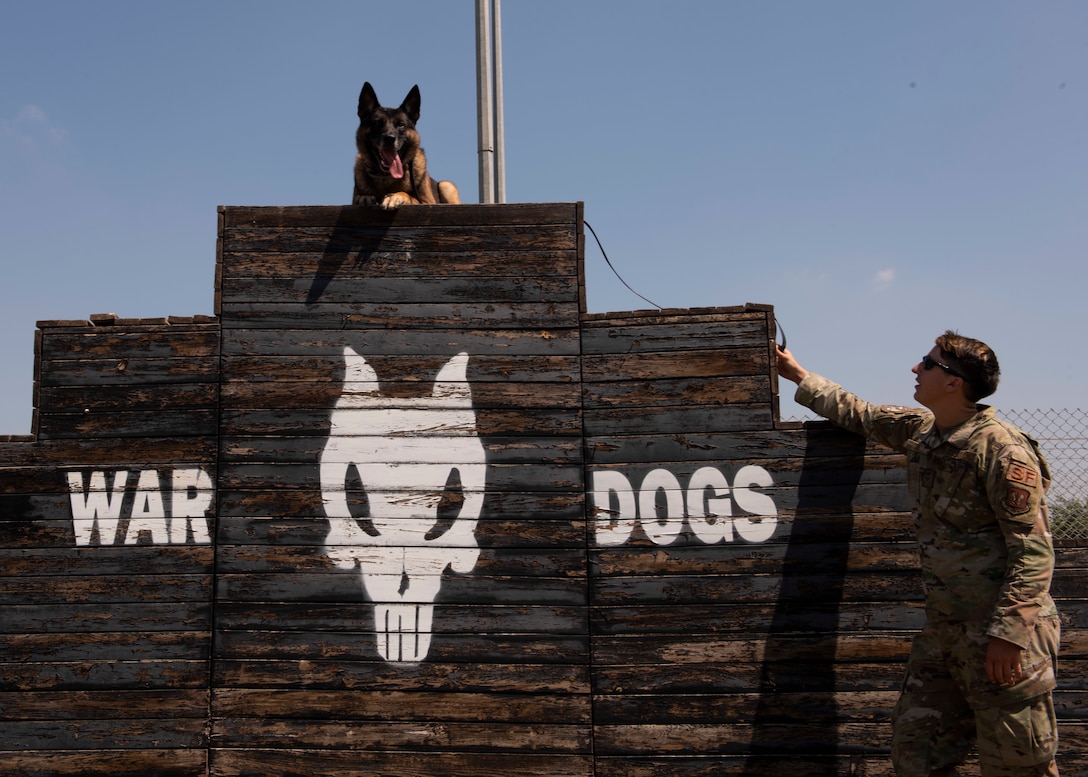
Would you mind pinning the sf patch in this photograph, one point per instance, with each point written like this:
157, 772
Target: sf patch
1022, 473
1016, 500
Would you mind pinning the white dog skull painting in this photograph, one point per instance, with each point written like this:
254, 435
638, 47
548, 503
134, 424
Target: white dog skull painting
415, 471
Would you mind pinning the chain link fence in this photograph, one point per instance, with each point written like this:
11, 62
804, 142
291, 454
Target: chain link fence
1063, 438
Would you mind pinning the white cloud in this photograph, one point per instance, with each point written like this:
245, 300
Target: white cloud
883, 279
30, 128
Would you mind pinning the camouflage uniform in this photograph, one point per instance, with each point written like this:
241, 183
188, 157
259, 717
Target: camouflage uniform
987, 557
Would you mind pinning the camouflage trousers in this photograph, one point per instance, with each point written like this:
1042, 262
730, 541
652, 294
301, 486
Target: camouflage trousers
947, 705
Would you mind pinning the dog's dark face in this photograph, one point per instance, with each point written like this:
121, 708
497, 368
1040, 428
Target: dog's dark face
387, 136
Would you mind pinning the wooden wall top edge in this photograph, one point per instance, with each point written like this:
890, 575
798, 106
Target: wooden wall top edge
97, 321
693, 315
242, 216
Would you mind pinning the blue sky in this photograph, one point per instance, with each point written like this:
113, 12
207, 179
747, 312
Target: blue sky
877, 171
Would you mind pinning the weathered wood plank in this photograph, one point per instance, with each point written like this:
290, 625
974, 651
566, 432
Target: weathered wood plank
658, 392
131, 343
500, 477
502, 347
342, 621
80, 640
128, 372
811, 587
442, 290
113, 399
699, 445
739, 558
500, 449
676, 419
113, 675
378, 675
731, 676
356, 243
351, 265
257, 560
799, 738
497, 646
542, 589
86, 589
668, 334
404, 317
752, 618
106, 763
76, 705
682, 364
667, 653
108, 452
542, 527
108, 616
821, 706
306, 504
108, 560
104, 732
377, 736
324, 394
136, 423
226, 762
318, 358
315, 422
420, 706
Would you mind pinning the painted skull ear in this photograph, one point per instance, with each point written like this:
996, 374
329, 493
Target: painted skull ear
359, 377
452, 381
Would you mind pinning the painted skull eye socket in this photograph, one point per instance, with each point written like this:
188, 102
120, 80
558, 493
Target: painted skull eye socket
358, 501
448, 509
449, 505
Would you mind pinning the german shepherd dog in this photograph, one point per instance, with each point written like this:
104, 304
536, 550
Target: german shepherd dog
390, 168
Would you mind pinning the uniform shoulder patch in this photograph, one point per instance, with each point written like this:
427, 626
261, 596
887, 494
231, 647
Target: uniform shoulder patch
1016, 500
1018, 472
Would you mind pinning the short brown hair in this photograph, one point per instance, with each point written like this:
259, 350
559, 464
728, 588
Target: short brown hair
976, 362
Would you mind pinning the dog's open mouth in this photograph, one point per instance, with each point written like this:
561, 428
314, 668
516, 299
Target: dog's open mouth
390, 161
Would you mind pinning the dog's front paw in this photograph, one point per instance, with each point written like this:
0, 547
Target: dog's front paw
396, 199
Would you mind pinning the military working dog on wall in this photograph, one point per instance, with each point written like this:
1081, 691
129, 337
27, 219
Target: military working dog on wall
390, 168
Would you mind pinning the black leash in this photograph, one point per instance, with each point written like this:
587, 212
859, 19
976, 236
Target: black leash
609, 263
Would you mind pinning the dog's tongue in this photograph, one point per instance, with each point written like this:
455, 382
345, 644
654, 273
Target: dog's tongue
392, 158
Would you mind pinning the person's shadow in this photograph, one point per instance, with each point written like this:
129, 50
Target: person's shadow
813, 577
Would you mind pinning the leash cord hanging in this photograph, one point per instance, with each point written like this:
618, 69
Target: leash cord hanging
778, 325
609, 263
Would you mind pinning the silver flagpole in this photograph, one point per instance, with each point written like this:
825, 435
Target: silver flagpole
484, 109
500, 157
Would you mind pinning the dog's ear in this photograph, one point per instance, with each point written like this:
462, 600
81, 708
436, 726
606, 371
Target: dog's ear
368, 101
411, 104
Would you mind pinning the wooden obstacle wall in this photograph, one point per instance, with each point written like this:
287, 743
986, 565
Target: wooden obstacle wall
106, 625
644, 572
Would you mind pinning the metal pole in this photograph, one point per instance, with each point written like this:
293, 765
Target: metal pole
500, 156
484, 109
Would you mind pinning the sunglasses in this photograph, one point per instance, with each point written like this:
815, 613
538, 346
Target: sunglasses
928, 363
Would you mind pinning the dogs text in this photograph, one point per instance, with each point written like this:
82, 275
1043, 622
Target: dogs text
661, 506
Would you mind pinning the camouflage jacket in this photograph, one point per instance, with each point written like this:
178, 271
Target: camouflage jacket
979, 505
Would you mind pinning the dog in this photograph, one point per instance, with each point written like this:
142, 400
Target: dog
390, 167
